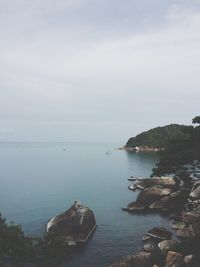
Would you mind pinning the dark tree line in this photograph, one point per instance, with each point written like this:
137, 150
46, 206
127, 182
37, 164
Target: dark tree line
180, 152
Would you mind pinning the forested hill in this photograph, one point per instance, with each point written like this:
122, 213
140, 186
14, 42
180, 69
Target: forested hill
161, 137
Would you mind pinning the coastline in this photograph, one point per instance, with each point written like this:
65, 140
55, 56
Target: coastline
173, 199
141, 149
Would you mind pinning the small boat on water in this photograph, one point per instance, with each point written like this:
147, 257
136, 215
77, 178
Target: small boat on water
132, 178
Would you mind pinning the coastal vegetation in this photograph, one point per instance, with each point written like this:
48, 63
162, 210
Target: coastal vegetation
177, 145
180, 152
176, 196
19, 250
160, 137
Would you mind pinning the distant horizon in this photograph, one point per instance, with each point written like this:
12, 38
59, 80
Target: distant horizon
26, 140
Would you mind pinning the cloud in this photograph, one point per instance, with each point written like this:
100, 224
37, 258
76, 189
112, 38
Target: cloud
71, 71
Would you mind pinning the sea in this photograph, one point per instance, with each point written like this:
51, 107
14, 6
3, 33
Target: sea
41, 180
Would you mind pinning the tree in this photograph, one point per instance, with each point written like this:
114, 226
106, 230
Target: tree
196, 120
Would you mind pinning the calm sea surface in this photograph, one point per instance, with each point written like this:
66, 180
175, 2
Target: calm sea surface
40, 180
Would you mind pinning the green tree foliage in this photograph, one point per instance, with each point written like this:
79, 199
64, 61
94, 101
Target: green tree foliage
18, 250
161, 137
179, 152
196, 120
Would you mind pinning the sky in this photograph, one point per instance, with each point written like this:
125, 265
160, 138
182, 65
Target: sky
97, 71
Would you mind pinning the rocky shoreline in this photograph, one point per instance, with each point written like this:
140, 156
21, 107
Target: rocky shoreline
177, 247
142, 148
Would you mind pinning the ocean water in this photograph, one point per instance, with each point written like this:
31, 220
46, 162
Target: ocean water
40, 180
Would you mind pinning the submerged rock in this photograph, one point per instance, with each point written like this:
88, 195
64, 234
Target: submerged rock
75, 225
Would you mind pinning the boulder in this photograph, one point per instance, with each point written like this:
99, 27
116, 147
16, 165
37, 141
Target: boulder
178, 225
195, 192
191, 217
174, 259
185, 233
146, 238
159, 233
149, 247
150, 195
166, 182
141, 259
167, 245
174, 201
189, 261
135, 207
75, 225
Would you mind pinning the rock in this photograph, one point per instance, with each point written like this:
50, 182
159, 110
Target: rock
174, 259
166, 192
132, 187
178, 225
142, 259
150, 195
135, 207
146, 238
195, 228
166, 182
168, 245
189, 260
185, 233
149, 247
195, 192
191, 217
174, 201
74, 225
159, 233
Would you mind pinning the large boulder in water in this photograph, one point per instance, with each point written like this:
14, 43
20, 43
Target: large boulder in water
75, 225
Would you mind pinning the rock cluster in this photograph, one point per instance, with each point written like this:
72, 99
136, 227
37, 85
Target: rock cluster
160, 250
157, 195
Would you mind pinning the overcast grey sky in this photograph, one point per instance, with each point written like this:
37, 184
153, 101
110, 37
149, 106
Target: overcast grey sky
88, 70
